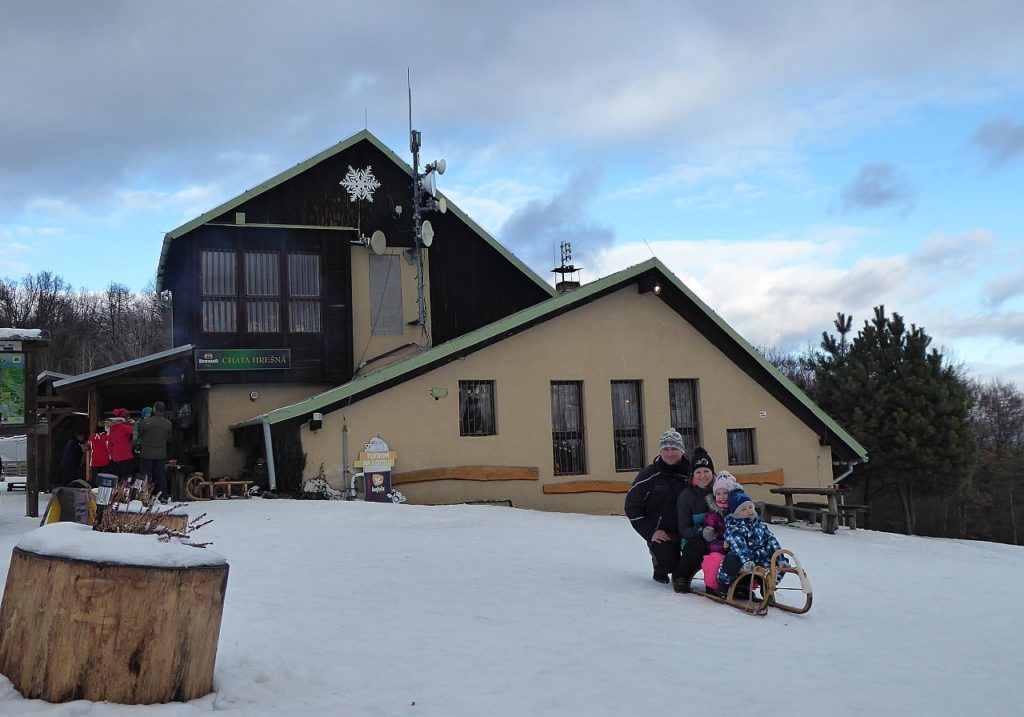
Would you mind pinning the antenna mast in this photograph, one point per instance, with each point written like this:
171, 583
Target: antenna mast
422, 201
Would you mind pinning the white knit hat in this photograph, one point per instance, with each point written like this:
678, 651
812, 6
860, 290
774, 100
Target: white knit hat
725, 480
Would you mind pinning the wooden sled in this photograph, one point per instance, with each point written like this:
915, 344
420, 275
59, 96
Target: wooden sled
198, 488
769, 579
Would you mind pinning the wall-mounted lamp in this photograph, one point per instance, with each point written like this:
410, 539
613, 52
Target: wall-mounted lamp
437, 393
649, 285
316, 422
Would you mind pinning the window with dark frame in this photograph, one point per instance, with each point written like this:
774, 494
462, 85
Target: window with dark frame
262, 293
742, 446
628, 425
568, 440
476, 408
264, 298
683, 413
304, 293
220, 296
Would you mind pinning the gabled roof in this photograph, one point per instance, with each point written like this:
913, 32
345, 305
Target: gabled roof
72, 383
301, 167
674, 293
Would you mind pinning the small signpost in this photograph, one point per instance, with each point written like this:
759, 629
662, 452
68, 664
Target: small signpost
376, 462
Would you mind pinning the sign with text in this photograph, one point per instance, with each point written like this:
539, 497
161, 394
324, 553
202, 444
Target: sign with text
12, 388
242, 359
377, 460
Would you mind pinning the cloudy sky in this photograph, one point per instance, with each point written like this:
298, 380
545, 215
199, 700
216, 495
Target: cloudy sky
788, 160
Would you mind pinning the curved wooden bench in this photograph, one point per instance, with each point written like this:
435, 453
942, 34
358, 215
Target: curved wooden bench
479, 473
588, 486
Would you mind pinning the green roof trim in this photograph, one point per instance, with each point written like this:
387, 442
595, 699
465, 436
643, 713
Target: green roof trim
301, 167
487, 335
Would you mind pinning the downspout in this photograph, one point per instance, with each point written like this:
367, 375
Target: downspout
848, 471
344, 457
268, 448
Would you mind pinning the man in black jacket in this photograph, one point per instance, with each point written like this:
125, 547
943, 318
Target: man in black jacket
651, 503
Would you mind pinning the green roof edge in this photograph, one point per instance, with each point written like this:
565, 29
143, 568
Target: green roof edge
301, 167
529, 315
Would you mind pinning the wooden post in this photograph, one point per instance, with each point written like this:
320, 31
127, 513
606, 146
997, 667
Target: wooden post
76, 629
28, 344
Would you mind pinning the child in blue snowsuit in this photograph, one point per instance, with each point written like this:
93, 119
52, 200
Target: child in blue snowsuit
749, 540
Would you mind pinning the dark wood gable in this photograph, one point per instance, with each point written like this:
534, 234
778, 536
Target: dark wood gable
471, 282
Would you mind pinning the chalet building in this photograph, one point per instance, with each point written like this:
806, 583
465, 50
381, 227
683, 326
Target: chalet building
557, 406
297, 330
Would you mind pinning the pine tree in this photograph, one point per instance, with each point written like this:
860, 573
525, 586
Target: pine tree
902, 402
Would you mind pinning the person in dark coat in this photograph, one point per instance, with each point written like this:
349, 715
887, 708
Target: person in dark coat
71, 459
651, 503
154, 432
692, 506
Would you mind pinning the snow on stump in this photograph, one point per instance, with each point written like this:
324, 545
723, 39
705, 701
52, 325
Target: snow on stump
107, 616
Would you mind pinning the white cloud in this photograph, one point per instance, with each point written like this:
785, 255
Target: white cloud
785, 292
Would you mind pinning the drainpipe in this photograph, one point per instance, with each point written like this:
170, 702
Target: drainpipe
344, 456
848, 471
268, 447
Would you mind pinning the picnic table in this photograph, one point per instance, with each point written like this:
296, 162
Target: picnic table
829, 514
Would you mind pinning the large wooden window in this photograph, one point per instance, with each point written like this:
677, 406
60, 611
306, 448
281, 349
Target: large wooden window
266, 293
684, 416
386, 318
628, 425
568, 438
304, 293
742, 446
476, 408
217, 279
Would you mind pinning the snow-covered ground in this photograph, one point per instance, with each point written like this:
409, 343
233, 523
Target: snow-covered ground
338, 608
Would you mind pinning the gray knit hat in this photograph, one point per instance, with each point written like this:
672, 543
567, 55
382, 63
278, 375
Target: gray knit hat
671, 439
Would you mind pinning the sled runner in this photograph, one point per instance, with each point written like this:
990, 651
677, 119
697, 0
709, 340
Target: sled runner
770, 590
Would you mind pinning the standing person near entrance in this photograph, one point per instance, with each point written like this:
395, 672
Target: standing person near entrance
154, 432
121, 443
99, 451
651, 503
71, 459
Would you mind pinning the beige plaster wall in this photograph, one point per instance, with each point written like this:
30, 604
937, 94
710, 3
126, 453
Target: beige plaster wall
231, 404
364, 345
623, 336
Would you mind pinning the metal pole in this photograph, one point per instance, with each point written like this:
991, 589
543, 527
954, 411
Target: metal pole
344, 458
268, 447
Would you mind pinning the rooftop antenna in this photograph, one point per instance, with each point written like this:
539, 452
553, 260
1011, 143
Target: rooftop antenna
567, 267
424, 199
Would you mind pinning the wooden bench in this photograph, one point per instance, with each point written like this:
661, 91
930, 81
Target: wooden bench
827, 514
852, 514
812, 513
14, 475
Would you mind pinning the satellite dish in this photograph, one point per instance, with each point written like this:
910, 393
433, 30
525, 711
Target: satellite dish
427, 234
378, 243
441, 166
442, 205
429, 184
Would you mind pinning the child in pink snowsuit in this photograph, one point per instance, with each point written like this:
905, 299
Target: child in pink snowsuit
715, 520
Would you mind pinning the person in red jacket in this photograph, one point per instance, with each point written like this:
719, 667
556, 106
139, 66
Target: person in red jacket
99, 450
121, 444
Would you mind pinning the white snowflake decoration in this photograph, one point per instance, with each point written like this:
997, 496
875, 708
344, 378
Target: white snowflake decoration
360, 183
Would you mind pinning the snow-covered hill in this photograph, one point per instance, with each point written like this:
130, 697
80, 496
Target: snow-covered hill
338, 608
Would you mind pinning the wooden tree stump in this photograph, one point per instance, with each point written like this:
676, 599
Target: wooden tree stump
132, 634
